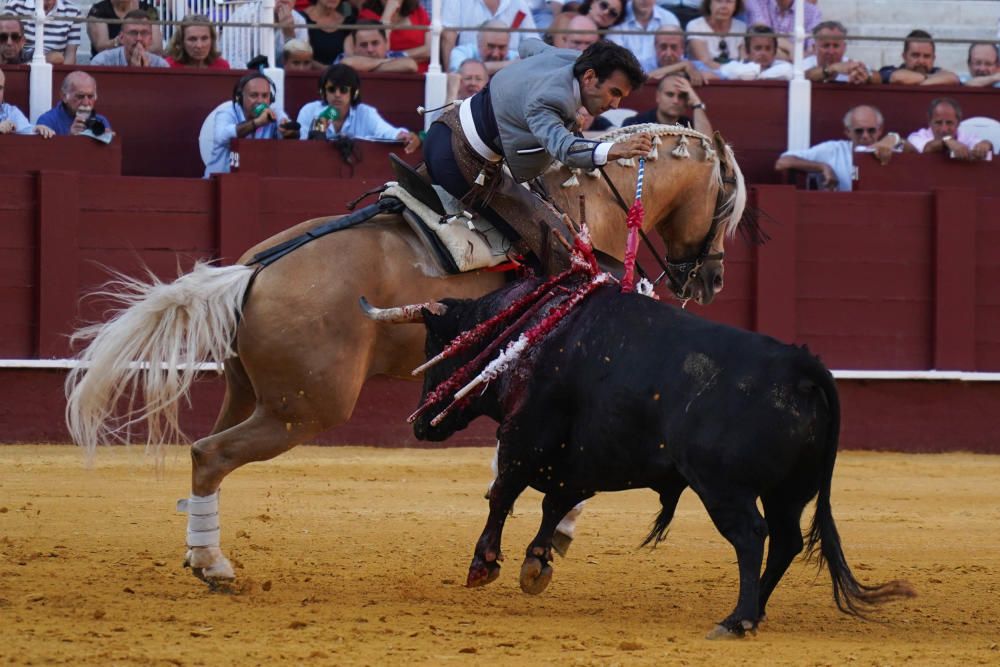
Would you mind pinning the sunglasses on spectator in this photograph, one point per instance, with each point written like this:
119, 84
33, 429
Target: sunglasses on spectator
606, 7
10, 36
342, 89
858, 131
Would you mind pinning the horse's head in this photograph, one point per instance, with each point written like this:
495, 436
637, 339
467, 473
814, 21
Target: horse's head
693, 196
695, 221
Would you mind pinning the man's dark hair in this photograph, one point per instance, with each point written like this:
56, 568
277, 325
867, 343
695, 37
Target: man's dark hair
11, 17
368, 24
996, 50
918, 36
830, 25
760, 30
136, 15
604, 58
342, 75
950, 101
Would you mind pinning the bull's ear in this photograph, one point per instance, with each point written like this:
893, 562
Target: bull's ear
444, 324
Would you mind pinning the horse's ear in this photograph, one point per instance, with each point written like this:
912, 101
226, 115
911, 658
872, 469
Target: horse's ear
720, 146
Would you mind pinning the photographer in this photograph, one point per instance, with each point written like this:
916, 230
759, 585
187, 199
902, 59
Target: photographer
75, 113
252, 114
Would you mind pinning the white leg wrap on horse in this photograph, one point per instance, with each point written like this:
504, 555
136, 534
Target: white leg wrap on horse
203, 519
568, 524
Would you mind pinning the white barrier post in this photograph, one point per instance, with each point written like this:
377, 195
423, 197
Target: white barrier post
435, 81
40, 78
265, 37
799, 88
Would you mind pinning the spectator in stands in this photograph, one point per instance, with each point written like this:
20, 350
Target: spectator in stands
415, 44
592, 125
716, 16
779, 15
918, 64
513, 13
472, 76
195, 44
340, 113
251, 115
368, 51
62, 34
579, 41
559, 22
675, 100
297, 56
545, 11
943, 134
669, 59
761, 48
136, 38
492, 48
11, 41
833, 161
104, 36
240, 45
645, 16
13, 121
685, 10
326, 18
984, 69
829, 61
605, 13
75, 112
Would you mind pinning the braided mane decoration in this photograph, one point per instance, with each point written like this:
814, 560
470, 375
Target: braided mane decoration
731, 210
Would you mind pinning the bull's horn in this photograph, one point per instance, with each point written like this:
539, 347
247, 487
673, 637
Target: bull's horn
401, 314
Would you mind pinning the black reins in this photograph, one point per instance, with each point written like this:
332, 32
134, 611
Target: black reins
690, 266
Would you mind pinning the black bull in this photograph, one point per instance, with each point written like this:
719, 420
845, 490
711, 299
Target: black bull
631, 393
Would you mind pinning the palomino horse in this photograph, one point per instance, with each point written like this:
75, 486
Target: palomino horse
296, 349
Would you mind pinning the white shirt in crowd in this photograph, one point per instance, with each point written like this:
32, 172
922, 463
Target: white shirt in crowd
642, 45
363, 122
465, 13
239, 45
58, 34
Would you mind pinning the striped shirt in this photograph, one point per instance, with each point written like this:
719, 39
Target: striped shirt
58, 34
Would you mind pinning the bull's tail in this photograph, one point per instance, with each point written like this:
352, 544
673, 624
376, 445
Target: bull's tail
658, 532
851, 596
153, 346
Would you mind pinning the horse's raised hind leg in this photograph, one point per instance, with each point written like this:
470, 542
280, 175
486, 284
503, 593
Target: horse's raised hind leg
259, 438
536, 571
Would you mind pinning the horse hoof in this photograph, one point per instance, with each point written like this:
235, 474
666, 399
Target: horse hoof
482, 574
737, 631
561, 542
209, 565
535, 576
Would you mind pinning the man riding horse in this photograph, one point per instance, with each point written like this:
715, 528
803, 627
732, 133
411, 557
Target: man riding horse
525, 117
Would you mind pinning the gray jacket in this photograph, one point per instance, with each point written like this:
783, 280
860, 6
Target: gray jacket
535, 101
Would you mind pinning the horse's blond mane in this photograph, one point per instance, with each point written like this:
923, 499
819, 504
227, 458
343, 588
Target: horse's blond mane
730, 211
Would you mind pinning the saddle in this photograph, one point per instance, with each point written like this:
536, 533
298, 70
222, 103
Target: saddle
459, 240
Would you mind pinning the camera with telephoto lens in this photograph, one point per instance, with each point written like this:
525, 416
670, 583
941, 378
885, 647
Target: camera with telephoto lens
94, 124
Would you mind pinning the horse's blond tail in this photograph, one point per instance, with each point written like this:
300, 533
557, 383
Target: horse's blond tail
149, 352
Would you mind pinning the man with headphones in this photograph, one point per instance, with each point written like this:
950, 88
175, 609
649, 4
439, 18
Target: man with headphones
252, 114
339, 113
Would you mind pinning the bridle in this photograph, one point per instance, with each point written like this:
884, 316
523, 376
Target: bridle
688, 267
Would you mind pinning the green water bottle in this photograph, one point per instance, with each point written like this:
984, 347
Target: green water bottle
259, 109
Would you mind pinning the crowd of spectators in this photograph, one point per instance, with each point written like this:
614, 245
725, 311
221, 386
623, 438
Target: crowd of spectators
681, 44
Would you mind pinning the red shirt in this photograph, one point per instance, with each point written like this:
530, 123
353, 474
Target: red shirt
218, 63
402, 40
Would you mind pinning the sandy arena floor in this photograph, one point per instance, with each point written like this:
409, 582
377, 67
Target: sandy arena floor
358, 556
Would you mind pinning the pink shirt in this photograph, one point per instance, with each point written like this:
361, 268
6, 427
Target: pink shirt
924, 136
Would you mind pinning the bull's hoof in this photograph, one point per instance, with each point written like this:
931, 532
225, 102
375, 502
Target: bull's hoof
209, 565
535, 575
561, 542
482, 573
732, 630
